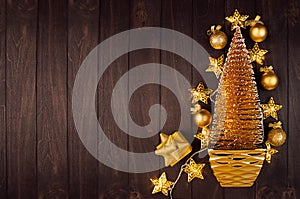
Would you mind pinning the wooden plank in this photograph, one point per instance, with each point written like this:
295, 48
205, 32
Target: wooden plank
21, 98
246, 8
83, 36
272, 182
114, 18
292, 126
205, 14
144, 13
176, 15
52, 160
3, 135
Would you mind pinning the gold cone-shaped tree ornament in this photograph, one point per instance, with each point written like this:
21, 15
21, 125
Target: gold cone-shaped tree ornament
236, 134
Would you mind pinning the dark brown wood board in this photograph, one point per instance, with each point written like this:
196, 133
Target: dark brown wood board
293, 79
275, 187
21, 117
143, 14
52, 101
178, 16
83, 36
42, 46
3, 135
114, 18
202, 11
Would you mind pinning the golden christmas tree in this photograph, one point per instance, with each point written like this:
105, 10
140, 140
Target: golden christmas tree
238, 118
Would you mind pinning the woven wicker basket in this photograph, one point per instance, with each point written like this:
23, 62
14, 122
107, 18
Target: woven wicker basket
236, 168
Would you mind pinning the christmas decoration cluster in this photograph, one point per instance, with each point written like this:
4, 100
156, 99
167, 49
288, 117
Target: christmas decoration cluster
234, 136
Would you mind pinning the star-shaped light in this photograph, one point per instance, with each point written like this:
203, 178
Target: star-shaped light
216, 65
200, 93
203, 136
193, 170
161, 184
271, 109
270, 152
257, 54
237, 20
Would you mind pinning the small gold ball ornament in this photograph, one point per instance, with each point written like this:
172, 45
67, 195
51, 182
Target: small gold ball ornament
269, 80
203, 118
276, 137
258, 32
218, 40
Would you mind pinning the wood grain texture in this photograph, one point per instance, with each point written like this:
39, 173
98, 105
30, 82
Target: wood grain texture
43, 43
114, 18
52, 156
176, 15
83, 36
275, 187
21, 98
205, 14
3, 135
142, 14
293, 79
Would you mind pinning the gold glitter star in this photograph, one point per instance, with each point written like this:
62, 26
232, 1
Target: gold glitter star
216, 65
237, 20
161, 184
193, 170
271, 109
203, 136
257, 54
270, 152
200, 93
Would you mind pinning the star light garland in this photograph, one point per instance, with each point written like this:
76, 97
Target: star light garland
200, 94
216, 65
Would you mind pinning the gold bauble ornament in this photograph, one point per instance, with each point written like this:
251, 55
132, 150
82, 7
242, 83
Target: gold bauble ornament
218, 39
203, 118
258, 32
276, 137
269, 81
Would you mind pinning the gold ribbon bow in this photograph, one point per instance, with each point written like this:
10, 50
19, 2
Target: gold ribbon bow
266, 69
213, 29
253, 21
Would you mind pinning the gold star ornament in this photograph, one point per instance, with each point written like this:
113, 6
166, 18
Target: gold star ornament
193, 170
237, 20
203, 137
271, 109
216, 65
200, 93
270, 152
161, 184
257, 54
